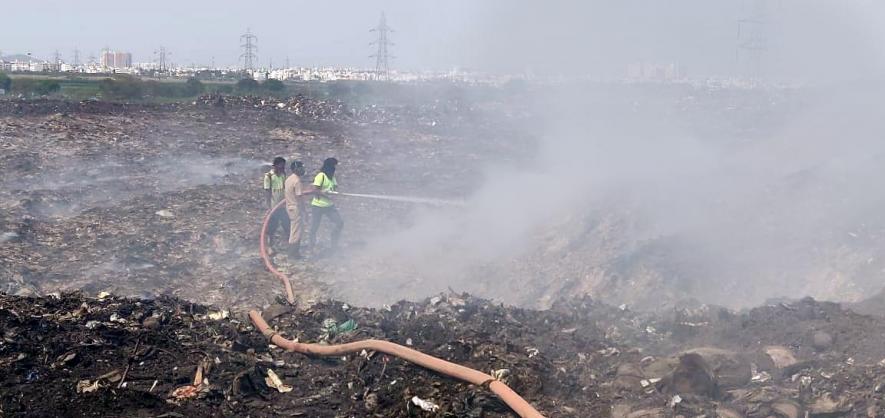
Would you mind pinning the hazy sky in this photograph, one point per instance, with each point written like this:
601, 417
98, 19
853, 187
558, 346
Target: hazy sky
594, 36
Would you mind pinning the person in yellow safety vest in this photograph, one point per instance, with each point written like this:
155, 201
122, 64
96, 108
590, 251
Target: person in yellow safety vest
322, 206
296, 206
274, 183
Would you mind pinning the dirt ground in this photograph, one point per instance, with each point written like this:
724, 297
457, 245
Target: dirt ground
148, 200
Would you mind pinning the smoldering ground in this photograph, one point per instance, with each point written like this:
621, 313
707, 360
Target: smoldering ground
652, 194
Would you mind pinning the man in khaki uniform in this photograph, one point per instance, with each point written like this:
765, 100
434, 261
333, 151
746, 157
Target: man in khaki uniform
296, 206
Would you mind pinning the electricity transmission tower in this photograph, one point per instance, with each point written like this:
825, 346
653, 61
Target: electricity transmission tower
382, 56
76, 58
56, 61
752, 39
250, 49
162, 57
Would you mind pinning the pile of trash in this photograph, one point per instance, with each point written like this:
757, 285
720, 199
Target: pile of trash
423, 114
117, 356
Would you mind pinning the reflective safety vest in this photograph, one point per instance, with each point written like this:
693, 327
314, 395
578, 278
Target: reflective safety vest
326, 184
275, 183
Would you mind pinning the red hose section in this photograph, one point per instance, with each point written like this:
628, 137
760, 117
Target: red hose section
290, 295
511, 398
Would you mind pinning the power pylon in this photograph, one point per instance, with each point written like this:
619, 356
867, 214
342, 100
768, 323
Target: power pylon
76, 58
56, 61
752, 39
162, 57
382, 56
250, 49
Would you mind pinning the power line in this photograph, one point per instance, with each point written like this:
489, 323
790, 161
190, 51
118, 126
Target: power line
382, 56
250, 49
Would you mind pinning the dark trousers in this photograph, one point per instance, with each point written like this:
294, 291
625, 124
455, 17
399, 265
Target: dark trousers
279, 219
316, 216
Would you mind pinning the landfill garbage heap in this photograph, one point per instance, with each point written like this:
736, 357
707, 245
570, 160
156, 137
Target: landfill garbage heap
118, 356
159, 204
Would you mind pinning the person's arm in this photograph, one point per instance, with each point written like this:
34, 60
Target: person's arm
317, 186
268, 194
310, 189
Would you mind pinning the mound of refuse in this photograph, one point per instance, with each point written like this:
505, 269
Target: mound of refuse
76, 355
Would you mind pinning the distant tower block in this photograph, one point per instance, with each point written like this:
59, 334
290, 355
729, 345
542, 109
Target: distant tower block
382, 56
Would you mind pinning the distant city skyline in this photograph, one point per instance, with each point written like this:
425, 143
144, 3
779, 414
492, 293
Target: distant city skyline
592, 37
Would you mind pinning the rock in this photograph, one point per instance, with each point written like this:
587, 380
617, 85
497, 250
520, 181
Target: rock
620, 410
821, 341
628, 377
826, 406
692, 376
781, 356
371, 402
723, 412
649, 413
151, 322
730, 369
787, 408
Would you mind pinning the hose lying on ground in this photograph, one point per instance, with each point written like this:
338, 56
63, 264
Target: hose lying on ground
290, 295
511, 398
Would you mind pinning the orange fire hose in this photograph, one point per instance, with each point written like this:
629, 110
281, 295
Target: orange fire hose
511, 398
290, 295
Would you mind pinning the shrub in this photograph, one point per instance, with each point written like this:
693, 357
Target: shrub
247, 85
273, 85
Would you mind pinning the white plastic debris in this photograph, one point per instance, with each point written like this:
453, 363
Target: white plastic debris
103, 295
219, 315
92, 324
675, 400
532, 351
611, 351
424, 405
274, 381
85, 386
500, 373
435, 300
164, 213
408, 341
760, 377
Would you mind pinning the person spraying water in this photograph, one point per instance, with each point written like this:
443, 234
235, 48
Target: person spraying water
406, 199
325, 185
322, 206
